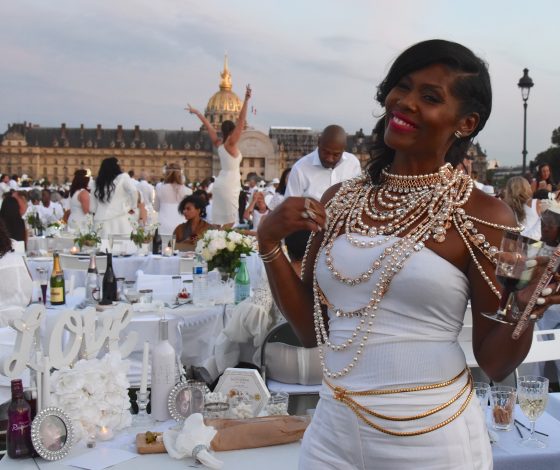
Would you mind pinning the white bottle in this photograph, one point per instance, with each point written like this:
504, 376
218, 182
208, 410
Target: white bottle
163, 373
200, 282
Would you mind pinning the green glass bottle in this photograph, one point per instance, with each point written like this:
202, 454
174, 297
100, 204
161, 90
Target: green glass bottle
58, 294
242, 281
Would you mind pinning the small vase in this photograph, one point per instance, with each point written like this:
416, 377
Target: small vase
144, 249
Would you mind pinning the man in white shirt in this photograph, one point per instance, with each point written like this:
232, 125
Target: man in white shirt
49, 211
327, 165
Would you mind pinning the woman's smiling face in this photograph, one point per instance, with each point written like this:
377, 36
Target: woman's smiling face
422, 113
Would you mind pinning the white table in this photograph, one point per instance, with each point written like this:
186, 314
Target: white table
508, 454
192, 331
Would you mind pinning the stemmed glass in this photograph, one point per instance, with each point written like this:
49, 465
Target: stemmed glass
43, 282
514, 269
532, 394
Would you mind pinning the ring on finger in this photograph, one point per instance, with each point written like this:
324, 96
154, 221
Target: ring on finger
307, 204
546, 291
305, 215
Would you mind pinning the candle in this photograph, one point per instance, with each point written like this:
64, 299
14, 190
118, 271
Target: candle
104, 433
46, 383
74, 250
167, 251
144, 379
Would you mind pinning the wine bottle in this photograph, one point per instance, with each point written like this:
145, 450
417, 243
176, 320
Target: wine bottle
163, 373
109, 282
19, 424
92, 281
156, 243
242, 281
58, 293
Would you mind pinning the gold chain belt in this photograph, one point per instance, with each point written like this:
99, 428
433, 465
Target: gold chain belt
344, 396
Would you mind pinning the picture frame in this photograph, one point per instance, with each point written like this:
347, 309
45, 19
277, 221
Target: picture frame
184, 400
52, 433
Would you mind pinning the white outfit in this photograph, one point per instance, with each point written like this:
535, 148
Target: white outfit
168, 197
78, 218
532, 222
112, 216
15, 295
276, 200
226, 189
414, 342
148, 194
257, 217
309, 178
50, 214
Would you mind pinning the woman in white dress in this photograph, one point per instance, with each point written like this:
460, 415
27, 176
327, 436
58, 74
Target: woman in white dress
519, 196
79, 201
394, 257
226, 188
114, 197
168, 196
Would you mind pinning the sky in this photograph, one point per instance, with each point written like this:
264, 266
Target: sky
310, 63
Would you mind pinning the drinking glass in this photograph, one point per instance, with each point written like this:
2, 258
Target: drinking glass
43, 274
502, 401
514, 270
532, 393
482, 390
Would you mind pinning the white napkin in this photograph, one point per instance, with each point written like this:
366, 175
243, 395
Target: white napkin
192, 441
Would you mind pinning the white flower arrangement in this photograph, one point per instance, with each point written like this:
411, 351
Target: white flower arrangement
223, 248
94, 393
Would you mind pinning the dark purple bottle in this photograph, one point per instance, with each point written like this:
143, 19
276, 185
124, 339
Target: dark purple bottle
19, 424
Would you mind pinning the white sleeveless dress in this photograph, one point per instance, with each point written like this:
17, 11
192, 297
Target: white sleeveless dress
226, 189
414, 342
78, 218
168, 197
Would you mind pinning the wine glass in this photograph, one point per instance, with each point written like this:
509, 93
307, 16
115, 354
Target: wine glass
515, 263
482, 390
532, 394
43, 273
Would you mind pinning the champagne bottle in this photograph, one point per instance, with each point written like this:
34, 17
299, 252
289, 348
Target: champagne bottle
242, 281
156, 243
19, 424
58, 293
109, 282
92, 281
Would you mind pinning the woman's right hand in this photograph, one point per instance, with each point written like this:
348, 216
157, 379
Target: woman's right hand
191, 110
248, 92
292, 215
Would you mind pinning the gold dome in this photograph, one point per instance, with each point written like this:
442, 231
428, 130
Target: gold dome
224, 104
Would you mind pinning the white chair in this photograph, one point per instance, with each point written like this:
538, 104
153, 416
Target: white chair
121, 244
164, 286
186, 265
81, 262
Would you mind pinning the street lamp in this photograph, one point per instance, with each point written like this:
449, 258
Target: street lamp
525, 83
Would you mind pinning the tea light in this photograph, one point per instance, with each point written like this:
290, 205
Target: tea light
104, 433
167, 251
74, 250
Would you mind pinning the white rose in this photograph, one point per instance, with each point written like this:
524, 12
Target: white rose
67, 381
235, 237
206, 254
217, 245
230, 246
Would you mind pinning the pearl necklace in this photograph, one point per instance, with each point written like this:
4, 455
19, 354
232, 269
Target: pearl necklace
412, 210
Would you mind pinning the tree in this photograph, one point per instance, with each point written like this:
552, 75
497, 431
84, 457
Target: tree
556, 136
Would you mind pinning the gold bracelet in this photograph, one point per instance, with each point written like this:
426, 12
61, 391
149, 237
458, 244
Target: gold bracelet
271, 252
272, 258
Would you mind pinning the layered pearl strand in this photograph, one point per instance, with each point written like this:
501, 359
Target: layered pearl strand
411, 210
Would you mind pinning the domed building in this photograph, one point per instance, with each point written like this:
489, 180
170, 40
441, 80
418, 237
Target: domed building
225, 104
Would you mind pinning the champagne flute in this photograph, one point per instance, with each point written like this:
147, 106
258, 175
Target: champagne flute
515, 264
532, 394
43, 282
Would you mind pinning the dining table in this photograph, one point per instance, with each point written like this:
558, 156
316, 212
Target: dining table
508, 454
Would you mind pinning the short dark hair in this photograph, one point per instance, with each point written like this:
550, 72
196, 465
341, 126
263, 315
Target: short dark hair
196, 201
472, 88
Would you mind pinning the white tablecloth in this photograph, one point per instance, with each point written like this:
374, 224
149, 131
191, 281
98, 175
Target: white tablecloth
192, 331
508, 454
124, 266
